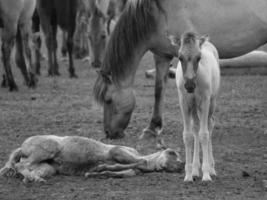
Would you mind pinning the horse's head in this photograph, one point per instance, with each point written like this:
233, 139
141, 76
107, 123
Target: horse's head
97, 37
170, 161
118, 105
189, 56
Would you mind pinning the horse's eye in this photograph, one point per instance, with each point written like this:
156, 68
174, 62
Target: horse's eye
181, 58
198, 58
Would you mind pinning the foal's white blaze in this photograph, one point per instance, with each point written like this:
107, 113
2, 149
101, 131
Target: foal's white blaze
199, 105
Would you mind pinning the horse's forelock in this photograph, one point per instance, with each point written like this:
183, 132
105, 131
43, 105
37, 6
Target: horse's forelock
100, 89
135, 25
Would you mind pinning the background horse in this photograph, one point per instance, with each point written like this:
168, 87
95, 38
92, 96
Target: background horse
44, 156
149, 21
15, 17
53, 13
198, 80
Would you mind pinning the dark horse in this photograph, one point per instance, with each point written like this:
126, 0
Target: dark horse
53, 13
235, 27
15, 22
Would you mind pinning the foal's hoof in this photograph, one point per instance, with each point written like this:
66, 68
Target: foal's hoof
148, 134
206, 178
7, 172
149, 75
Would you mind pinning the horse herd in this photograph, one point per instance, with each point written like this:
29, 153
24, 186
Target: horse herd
169, 28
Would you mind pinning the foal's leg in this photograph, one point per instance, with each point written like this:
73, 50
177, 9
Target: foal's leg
8, 41
188, 138
162, 67
111, 174
196, 160
211, 126
205, 137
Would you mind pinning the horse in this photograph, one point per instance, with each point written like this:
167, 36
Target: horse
42, 156
235, 27
15, 18
103, 16
53, 13
198, 82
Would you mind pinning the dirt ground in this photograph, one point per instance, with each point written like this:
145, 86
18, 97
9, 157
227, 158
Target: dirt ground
64, 106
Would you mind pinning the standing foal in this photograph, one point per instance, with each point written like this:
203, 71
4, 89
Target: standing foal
198, 80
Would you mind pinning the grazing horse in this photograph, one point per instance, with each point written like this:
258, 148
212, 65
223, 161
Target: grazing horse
15, 22
44, 156
198, 81
53, 13
235, 27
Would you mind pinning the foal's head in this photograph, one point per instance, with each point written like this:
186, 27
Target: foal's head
189, 55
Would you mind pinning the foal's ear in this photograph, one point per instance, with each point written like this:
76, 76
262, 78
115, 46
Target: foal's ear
175, 41
203, 39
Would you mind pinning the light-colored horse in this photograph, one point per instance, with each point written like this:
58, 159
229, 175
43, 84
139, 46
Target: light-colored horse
15, 17
235, 27
43, 156
198, 81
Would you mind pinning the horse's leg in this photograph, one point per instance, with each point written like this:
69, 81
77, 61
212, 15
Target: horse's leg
211, 126
196, 160
188, 138
112, 174
20, 61
162, 68
37, 41
8, 41
25, 33
70, 50
64, 48
54, 45
205, 137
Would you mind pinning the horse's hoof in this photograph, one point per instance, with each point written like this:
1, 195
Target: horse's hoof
73, 76
13, 87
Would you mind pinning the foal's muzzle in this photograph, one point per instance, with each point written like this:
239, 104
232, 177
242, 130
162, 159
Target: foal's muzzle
190, 86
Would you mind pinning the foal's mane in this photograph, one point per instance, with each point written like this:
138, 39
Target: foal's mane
137, 22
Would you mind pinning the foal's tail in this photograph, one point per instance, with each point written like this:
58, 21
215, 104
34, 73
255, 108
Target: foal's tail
13, 159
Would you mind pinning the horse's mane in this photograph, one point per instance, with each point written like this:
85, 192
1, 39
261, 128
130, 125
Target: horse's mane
189, 38
136, 24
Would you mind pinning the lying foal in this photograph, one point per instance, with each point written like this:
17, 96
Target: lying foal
44, 156
198, 80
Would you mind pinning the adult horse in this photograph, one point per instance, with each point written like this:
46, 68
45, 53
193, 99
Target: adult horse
103, 15
15, 22
53, 13
235, 27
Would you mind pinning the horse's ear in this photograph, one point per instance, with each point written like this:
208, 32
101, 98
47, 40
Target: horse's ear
175, 41
203, 39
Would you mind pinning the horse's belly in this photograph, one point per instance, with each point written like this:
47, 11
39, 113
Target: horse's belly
235, 27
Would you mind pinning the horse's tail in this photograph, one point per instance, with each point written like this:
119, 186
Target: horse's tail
13, 159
